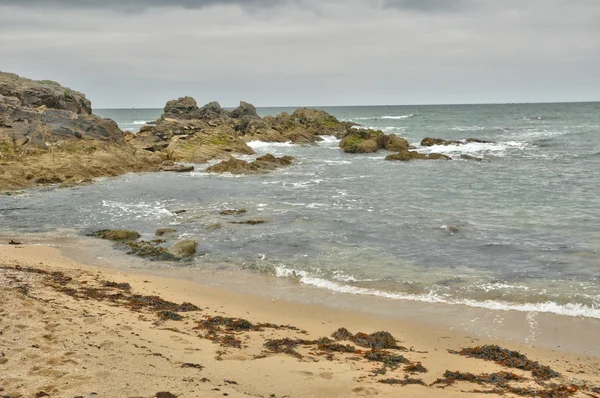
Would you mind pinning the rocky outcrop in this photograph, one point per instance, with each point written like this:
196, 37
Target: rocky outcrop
42, 93
177, 168
188, 133
48, 135
369, 141
261, 165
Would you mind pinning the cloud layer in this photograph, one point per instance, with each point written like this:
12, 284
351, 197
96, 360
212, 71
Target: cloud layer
307, 52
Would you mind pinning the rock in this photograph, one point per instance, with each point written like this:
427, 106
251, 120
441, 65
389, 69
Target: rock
116, 234
42, 93
249, 222
438, 156
367, 146
183, 249
394, 143
182, 108
470, 157
406, 156
245, 109
165, 231
177, 168
261, 165
354, 142
214, 227
230, 212
178, 212
427, 141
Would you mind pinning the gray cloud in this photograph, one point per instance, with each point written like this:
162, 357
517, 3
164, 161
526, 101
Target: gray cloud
308, 52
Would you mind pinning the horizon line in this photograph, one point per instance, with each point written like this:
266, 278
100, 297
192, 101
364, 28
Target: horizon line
382, 105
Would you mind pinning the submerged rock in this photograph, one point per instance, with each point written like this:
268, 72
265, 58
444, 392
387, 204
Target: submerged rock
407, 155
165, 231
183, 249
116, 234
177, 168
428, 141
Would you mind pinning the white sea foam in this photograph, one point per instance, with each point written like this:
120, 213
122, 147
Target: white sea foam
138, 210
571, 309
263, 144
471, 148
386, 117
140, 122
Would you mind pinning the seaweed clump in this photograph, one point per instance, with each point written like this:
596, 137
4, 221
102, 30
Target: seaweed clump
510, 359
500, 378
377, 340
404, 382
287, 346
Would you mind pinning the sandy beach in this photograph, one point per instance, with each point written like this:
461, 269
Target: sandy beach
70, 329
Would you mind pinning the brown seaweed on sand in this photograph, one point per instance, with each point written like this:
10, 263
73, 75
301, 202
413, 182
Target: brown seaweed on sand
510, 359
377, 340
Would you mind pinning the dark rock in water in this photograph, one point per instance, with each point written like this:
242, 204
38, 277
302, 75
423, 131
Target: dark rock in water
116, 234
249, 222
407, 155
183, 249
177, 168
369, 141
146, 249
427, 141
261, 165
231, 212
470, 157
438, 156
214, 227
178, 212
165, 231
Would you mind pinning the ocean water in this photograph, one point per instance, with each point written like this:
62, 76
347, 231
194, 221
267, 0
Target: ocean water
519, 230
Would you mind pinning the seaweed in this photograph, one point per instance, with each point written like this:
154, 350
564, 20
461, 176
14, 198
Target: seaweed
510, 359
169, 315
286, 346
377, 340
192, 365
121, 286
416, 368
389, 360
232, 212
499, 379
403, 382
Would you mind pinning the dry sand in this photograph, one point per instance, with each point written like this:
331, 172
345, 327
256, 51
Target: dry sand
78, 337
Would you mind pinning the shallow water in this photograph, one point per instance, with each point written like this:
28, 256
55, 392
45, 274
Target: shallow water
519, 230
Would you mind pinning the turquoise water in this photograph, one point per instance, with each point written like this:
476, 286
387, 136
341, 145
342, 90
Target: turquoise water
520, 230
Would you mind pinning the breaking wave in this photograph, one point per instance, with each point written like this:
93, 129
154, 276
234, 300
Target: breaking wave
570, 309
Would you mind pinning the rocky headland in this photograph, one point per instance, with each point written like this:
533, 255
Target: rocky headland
48, 135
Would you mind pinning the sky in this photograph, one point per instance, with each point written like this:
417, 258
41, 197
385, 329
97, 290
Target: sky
131, 53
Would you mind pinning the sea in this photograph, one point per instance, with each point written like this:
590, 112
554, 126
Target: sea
519, 230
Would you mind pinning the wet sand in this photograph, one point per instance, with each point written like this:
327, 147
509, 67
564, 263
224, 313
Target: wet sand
72, 329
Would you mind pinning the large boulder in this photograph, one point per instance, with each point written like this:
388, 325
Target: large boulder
355, 141
244, 110
183, 249
182, 108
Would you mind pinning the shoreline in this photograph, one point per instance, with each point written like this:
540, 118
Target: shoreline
526, 328
276, 373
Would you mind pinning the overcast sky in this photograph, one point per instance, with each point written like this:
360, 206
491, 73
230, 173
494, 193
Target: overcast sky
128, 53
